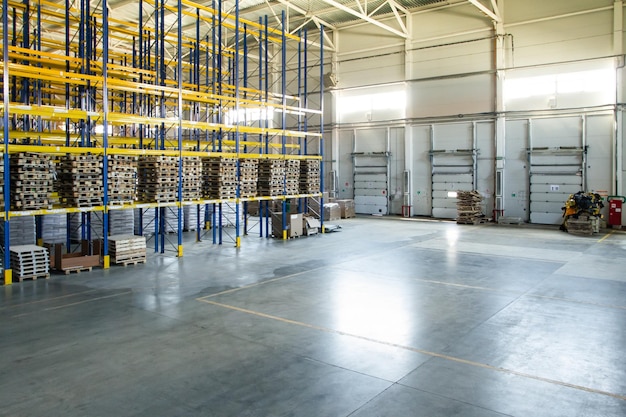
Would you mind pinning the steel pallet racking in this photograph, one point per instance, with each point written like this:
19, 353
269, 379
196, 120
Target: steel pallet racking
76, 80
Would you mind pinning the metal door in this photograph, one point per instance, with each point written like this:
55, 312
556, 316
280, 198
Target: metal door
556, 160
453, 164
370, 158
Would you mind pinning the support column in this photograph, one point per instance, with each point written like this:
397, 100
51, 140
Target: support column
500, 121
619, 175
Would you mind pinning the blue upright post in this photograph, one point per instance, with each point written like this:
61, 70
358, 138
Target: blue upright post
105, 135
179, 70
237, 116
8, 272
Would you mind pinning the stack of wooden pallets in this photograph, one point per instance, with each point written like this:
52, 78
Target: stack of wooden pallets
127, 249
309, 176
122, 178
469, 207
157, 179
30, 262
583, 224
271, 177
31, 181
292, 176
192, 178
219, 176
80, 180
248, 177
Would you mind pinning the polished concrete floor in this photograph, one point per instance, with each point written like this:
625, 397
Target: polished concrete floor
383, 318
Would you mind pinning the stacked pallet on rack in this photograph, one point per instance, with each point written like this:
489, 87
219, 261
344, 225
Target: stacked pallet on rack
469, 207
30, 262
192, 178
310, 176
219, 178
158, 179
31, 181
292, 176
248, 177
80, 180
271, 177
122, 178
127, 249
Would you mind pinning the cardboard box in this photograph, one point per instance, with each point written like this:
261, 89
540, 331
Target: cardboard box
311, 226
347, 208
332, 211
294, 227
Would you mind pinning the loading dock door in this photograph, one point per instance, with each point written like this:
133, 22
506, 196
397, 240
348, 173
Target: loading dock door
554, 175
370, 159
453, 165
556, 161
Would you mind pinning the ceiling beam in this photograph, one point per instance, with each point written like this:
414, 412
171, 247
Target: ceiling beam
485, 10
366, 18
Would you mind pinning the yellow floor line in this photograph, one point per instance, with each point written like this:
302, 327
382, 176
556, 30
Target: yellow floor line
423, 352
607, 235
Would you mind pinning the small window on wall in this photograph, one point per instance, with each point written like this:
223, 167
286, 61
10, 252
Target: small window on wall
600, 83
371, 102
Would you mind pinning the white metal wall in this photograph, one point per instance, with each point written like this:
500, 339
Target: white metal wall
448, 71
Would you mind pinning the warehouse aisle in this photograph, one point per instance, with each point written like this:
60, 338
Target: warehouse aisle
386, 317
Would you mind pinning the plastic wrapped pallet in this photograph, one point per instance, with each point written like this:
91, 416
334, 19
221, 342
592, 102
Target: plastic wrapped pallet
54, 228
121, 222
78, 222
171, 219
190, 217
22, 230
144, 221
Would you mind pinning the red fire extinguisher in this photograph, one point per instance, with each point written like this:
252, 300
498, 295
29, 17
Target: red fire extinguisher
615, 210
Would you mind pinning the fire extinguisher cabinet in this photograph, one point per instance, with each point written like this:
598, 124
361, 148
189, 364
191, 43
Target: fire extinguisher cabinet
615, 210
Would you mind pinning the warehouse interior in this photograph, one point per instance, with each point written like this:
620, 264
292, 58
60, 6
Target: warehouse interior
313, 208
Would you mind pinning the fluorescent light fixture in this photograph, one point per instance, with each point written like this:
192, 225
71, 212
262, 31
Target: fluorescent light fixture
452, 194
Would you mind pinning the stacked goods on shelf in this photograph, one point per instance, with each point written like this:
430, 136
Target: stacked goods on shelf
31, 181
91, 223
310, 176
469, 207
122, 178
23, 231
127, 249
192, 178
248, 177
30, 262
80, 180
54, 228
271, 177
121, 222
219, 178
171, 219
190, 217
229, 214
158, 179
144, 221
292, 176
